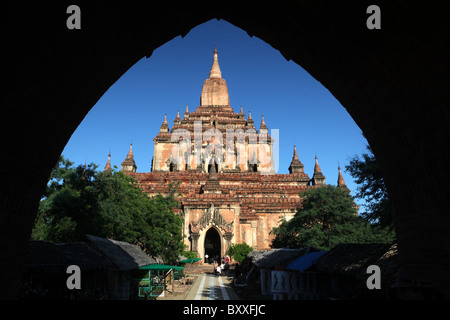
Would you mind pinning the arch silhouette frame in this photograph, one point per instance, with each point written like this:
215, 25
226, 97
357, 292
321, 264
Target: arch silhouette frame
393, 82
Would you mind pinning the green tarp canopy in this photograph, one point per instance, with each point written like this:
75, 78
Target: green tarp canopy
192, 260
162, 267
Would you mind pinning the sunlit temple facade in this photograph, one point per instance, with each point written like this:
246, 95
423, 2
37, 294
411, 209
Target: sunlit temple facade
224, 163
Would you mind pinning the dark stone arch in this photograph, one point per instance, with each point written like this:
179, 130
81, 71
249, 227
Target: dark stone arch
213, 245
393, 82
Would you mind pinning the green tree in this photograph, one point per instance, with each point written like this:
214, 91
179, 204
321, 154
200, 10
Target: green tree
68, 209
328, 217
189, 254
80, 200
161, 231
239, 251
122, 206
371, 187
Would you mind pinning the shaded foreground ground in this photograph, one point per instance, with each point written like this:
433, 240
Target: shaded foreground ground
201, 284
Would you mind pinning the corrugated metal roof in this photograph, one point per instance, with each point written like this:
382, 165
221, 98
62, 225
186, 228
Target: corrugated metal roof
304, 262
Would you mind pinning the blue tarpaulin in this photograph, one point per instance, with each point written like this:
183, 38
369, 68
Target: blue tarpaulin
304, 262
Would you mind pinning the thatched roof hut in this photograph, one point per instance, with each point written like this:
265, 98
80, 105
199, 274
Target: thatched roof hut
124, 256
49, 257
353, 258
351, 261
269, 259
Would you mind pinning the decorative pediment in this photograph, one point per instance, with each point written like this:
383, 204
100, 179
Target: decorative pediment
213, 217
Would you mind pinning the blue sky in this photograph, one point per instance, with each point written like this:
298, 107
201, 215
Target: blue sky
258, 77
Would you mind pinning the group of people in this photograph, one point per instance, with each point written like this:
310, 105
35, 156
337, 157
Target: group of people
224, 266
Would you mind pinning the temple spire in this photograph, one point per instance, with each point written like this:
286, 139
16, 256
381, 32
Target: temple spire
177, 119
164, 126
316, 166
250, 122
263, 124
108, 163
241, 114
340, 181
318, 178
128, 165
296, 166
186, 113
130, 152
295, 156
215, 69
263, 128
215, 90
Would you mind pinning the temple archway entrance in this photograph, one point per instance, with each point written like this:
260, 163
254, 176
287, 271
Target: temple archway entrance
212, 245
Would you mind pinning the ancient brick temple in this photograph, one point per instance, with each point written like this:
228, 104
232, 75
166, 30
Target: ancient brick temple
230, 191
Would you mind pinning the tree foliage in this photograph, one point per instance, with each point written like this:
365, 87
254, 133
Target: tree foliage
239, 251
79, 201
367, 174
189, 254
328, 217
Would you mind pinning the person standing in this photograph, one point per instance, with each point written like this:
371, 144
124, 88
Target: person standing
218, 270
